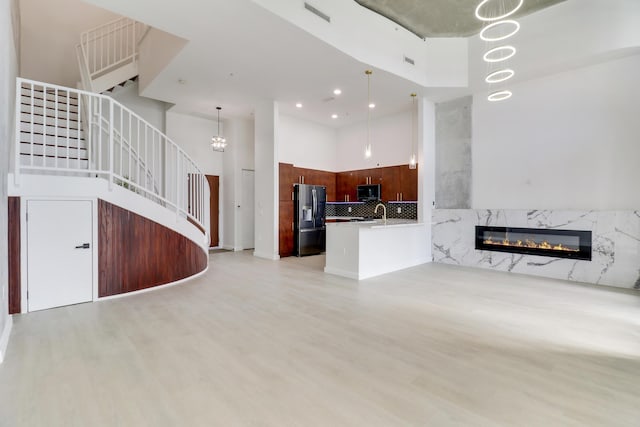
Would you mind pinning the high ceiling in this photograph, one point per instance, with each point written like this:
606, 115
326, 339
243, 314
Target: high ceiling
445, 18
241, 52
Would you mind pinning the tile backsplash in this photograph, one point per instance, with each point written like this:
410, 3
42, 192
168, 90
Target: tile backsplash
408, 210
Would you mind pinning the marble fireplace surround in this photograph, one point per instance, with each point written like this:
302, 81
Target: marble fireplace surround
616, 243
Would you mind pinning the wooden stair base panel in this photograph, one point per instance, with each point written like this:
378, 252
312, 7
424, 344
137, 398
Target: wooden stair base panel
136, 253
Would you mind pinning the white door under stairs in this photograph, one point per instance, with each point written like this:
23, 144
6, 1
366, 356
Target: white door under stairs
59, 253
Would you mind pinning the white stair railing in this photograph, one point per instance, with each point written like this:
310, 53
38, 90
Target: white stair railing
121, 147
110, 46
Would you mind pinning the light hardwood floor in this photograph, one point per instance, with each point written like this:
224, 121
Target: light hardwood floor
279, 343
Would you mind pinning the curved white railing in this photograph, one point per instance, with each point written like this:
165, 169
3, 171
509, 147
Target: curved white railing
120, 146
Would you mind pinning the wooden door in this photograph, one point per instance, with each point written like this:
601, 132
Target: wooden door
214, 209
59, 253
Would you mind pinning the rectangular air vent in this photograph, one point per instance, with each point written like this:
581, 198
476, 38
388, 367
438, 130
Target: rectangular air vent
317, 12
409, 60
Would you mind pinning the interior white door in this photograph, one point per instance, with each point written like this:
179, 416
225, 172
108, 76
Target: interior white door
247, 209
59, 253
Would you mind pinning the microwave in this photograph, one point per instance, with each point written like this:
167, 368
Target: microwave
368, 192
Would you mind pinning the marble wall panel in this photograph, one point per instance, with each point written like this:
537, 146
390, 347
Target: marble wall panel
616, 243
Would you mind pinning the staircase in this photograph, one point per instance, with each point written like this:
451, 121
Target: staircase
108, 54
84, 133
50, 135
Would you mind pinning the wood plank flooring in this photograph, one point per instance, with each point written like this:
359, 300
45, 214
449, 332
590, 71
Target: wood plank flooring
279, 343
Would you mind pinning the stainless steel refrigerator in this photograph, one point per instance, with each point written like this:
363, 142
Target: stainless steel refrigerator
309, 219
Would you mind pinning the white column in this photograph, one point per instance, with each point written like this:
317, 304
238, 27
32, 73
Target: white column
426, 164
266, 176
229, 184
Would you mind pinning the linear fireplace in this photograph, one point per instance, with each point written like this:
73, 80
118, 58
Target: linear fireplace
574, 244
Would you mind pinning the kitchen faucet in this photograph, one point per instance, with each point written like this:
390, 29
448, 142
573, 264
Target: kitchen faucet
384, 211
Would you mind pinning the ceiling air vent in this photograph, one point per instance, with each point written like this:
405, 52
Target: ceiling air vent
409, 60
317, 12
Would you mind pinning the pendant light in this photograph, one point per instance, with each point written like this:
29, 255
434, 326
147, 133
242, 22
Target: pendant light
493, 13
367, 147
218, 142
413, 159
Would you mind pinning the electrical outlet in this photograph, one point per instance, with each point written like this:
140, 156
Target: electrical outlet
399, 210
349, 209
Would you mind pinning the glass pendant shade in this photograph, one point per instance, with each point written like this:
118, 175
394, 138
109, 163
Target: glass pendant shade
218, 142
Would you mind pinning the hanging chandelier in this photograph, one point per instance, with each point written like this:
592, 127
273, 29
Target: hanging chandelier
218, 142
367, 147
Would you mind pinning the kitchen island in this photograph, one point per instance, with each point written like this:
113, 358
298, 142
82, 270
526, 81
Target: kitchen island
360, 250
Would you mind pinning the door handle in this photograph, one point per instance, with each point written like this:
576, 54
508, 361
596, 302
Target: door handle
83, 246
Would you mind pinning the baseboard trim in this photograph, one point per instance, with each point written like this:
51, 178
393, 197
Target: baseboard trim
343, 273
266, 255
155, 288
4, 338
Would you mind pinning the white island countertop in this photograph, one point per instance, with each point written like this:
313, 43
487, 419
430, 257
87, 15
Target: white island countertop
363, 249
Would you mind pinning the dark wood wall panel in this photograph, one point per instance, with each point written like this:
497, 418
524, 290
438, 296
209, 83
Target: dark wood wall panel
14, 255
136, 253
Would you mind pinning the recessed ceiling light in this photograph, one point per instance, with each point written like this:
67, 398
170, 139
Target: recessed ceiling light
372, 105
334, 116
337, 91
298, 105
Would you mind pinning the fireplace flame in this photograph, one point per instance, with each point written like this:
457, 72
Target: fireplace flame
528, 243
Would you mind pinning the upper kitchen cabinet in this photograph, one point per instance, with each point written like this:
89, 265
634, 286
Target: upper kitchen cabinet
290, 174
408, 183
346, 186
390, 182
328, 179
287, 178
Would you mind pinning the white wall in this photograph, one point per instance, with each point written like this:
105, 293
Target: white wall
266, 179
438, 61
50, 32
8, 73
390, 140
193, 135
307, 144
151, 110
239, 155
157, 49
568, 141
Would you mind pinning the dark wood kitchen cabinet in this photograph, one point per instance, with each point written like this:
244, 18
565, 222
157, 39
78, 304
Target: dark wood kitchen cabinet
287, 179
285, 221
346, 186
328, 179
408, 183
289, 175
390, 182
